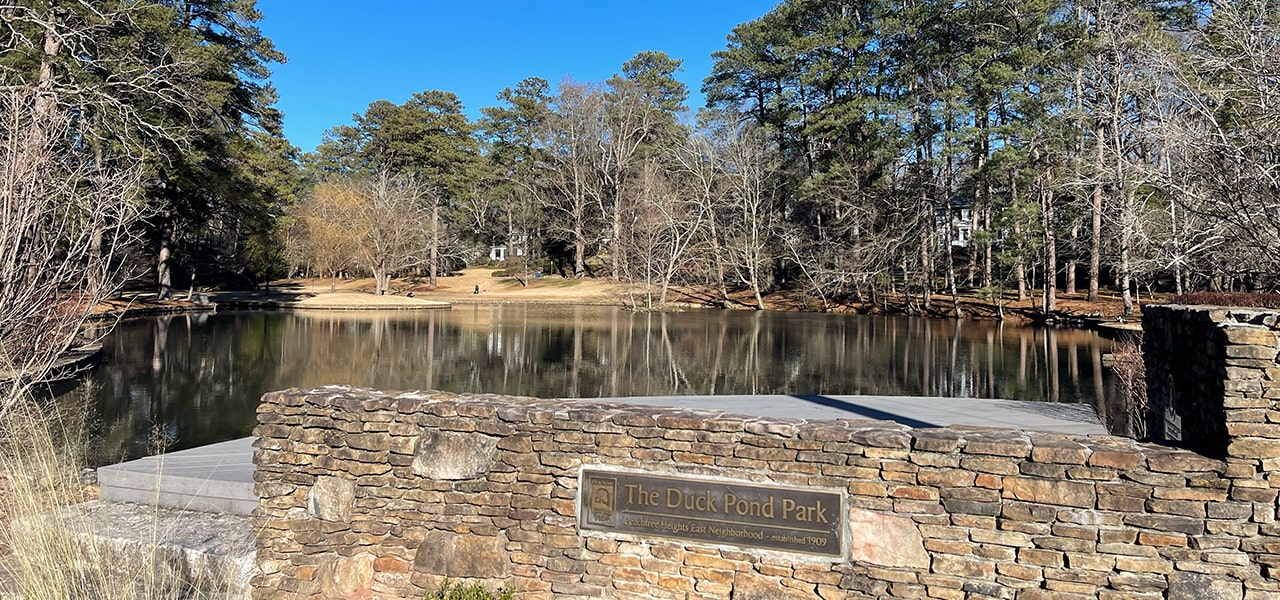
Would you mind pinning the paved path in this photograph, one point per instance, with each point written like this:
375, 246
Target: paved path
1076, 419
213, 478
219, 477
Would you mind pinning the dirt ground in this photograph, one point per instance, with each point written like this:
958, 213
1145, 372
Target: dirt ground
462, 286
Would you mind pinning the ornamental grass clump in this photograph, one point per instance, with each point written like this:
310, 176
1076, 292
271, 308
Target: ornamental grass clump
47, 548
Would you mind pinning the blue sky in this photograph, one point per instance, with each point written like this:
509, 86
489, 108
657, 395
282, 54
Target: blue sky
344, 55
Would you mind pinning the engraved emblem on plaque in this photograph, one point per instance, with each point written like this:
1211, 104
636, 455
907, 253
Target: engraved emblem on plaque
603, 499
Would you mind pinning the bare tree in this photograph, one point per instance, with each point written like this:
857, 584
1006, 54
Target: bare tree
394, 223
65, 221
667, 222
749, 239
698, 165
324, 235
1229, 135
570, 184
382, 225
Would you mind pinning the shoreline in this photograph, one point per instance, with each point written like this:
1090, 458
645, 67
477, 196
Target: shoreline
460, 289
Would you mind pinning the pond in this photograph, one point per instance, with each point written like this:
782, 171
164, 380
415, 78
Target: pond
181, 381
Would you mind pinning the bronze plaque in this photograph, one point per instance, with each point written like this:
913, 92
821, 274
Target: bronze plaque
722, 512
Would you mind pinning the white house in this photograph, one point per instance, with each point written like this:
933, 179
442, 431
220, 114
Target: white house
517, 246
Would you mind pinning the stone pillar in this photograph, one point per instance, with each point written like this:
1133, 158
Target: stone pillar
1213, 381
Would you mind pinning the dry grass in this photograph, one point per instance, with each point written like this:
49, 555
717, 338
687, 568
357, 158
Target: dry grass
45, 546
1239, 299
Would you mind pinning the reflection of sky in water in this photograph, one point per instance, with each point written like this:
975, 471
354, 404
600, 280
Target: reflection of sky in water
199, 376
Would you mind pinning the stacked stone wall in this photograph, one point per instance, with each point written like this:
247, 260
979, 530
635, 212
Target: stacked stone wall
1213, 379
366, 494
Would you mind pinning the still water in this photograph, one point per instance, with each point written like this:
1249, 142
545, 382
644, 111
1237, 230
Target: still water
187, 380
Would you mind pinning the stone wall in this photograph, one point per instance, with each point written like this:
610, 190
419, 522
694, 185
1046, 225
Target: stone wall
366, 494
1213, 379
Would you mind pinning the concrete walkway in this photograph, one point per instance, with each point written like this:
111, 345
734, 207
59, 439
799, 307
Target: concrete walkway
214, 478
913, 411
219, 477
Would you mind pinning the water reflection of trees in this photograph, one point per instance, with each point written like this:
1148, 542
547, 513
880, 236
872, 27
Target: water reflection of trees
198, 377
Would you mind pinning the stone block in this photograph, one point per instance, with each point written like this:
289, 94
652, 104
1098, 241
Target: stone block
752, 586
1062, 452
1250, 336
1115, 458
1050, 491
348, 577
451, 455
1194, 586
1181, 462
1254, 352
1167, 523
332, 499
936, 441
463, 556
998, 444
1251, 447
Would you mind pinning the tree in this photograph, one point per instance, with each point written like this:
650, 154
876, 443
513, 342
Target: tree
66, 224
1228, 137
570, 185
379, 223
749, 233
429, 137
514, 133
640, 108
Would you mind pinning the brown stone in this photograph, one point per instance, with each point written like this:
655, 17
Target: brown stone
1257, 352
1147, 538
1194, 586
348, 577
1251, 447
963, 567
936, 441
945, 478
1049, 491
391, 564
998, 444
1265, 430
332, 499
1116, 459
885, 540
751, 586
1064, 452
1250, 336
463, 556
1181, 462
453, 455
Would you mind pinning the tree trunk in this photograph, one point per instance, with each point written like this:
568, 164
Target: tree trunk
1046, 195
46, 100
1126, 269
615, 246
988, 258
1072, 264
164, 275
1050, 256
435, 244
718, 261
951, 268
1095, 234
579, 252
926, 270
